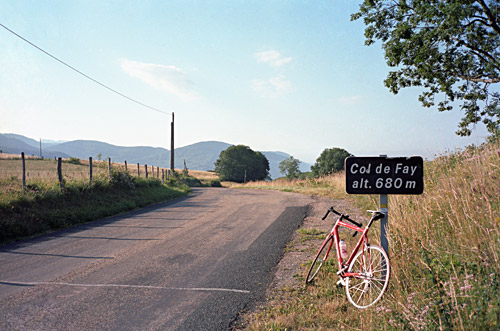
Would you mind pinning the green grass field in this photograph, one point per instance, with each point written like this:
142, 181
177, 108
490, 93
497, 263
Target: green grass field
46, 207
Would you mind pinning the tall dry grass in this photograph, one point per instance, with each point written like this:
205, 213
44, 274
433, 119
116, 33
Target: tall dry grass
203, 175
46, 169
445, 245
327, 186
444, 248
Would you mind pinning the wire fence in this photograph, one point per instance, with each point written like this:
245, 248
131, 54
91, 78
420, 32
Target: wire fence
63, 170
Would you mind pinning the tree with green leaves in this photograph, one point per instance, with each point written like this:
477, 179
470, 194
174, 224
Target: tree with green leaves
290, 167
331, 160
451, 48
240, 163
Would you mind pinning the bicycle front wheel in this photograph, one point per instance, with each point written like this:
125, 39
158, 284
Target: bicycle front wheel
319, 259
371, 267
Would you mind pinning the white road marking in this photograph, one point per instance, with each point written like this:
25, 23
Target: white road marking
205, 289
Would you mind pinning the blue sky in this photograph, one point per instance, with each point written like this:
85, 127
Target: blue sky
291, 76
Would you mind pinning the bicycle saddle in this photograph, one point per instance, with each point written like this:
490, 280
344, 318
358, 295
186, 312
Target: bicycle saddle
376, 215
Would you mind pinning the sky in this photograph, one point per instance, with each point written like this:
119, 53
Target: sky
289, 76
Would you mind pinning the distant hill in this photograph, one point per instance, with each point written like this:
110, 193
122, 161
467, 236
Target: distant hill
32, 142
16, 144
84, 149
198, 156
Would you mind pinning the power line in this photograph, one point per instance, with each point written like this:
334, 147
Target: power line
81, 73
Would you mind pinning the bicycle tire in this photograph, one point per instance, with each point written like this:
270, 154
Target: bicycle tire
319, 259
372, 264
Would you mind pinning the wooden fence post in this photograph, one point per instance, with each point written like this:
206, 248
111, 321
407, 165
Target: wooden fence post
90, 170
24, 173
158, 172
109, 167
138, 171
163, 176
59, 173
126, 170
146, 167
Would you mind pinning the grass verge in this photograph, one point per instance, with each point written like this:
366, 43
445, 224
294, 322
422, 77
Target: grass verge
444, 248
45, 207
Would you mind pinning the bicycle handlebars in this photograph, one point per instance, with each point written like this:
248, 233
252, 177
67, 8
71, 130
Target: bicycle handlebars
342, 216
376, 215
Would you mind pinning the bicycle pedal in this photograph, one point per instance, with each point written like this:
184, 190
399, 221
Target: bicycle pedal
341, 282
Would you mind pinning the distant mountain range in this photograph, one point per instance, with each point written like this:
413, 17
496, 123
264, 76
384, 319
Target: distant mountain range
199, 156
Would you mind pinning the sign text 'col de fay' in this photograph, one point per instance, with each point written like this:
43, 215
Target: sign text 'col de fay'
383, 175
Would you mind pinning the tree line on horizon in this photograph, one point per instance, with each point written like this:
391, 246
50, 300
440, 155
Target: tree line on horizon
239, 163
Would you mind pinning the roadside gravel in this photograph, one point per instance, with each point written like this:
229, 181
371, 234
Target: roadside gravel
299, 252
292, 268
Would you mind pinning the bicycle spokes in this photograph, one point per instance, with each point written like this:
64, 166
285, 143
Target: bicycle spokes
370, 275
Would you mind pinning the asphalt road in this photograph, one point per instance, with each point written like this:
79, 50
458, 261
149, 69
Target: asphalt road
191, 264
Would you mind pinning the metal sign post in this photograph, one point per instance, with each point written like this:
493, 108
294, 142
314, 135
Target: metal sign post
384, 223
384, 208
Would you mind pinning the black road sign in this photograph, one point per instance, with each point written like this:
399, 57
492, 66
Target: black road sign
383, 175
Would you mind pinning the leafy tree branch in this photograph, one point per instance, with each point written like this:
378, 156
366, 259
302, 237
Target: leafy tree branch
451, 48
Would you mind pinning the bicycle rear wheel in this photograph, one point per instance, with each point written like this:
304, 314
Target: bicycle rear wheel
319, 259
372, 268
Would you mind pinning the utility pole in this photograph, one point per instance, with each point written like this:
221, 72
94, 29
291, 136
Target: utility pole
172, 143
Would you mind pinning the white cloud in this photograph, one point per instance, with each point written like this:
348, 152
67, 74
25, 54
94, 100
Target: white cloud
162, 77
274, 86
350, 100
272, 57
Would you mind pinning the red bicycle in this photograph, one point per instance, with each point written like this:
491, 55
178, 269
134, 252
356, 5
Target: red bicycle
365, 272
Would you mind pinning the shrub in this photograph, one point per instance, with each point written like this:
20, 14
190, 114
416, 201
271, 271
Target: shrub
122, 179
215, 183
73, 160
191, 181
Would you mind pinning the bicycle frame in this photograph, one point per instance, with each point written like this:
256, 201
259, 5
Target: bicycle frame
363, 240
